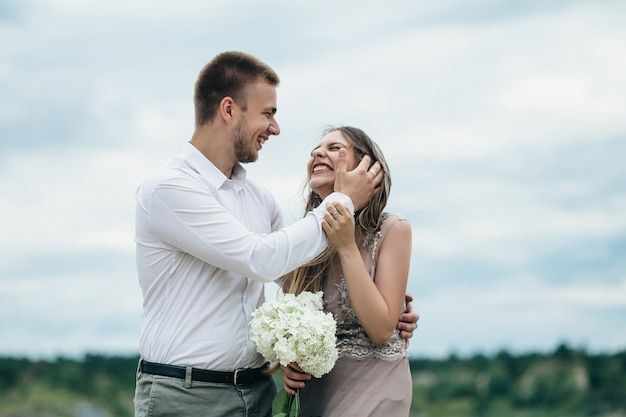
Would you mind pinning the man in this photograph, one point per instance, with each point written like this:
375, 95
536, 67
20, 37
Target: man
207, 241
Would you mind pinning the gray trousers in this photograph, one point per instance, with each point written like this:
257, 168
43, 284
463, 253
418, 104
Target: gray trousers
161, 396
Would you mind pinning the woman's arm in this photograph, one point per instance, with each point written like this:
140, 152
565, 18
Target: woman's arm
378, 303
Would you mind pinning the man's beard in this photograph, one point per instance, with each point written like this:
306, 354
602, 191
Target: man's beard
243, 150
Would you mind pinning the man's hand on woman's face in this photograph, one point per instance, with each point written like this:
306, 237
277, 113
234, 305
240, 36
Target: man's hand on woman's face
361, 184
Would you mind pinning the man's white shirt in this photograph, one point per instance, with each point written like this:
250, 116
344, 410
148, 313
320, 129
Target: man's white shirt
206, 245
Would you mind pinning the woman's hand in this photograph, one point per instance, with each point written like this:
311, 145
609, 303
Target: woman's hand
293, 378
339, 226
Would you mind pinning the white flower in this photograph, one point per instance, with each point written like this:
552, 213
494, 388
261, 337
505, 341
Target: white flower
294, 328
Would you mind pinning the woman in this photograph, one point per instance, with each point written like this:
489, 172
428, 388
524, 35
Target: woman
364, 276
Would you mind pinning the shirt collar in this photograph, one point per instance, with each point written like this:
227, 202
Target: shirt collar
198, 162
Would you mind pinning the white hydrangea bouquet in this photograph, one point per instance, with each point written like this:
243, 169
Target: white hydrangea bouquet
294, 328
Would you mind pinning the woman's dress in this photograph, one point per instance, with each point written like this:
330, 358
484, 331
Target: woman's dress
368, 379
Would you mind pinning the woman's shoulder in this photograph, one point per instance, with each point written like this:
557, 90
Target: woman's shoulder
390, 219
394, 224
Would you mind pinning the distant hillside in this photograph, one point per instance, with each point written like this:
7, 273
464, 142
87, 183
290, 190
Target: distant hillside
566, 382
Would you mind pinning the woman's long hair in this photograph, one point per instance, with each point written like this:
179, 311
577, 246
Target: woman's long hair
310, 277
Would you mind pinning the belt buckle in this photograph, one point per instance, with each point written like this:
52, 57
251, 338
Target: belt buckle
235, 376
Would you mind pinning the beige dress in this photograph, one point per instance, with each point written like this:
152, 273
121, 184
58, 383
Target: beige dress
368, 379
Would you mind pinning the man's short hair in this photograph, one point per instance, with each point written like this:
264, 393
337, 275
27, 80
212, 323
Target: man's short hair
229, 74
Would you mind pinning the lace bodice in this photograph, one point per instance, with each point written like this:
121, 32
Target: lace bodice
352, 340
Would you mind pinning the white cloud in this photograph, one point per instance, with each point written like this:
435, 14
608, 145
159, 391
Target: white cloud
71, 313
65, 198
501, 128
519, 313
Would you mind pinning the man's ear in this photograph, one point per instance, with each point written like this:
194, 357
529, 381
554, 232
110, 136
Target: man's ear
226, 110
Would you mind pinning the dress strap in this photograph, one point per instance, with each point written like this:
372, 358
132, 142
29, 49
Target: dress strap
387, 222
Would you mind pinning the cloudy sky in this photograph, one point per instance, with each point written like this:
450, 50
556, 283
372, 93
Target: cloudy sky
504, 123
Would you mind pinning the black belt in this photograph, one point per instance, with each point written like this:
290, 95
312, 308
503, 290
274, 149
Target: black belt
239, 377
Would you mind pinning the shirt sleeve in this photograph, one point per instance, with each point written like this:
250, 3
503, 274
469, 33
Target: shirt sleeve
192, 221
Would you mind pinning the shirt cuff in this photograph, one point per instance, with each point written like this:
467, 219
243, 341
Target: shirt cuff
335, 196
